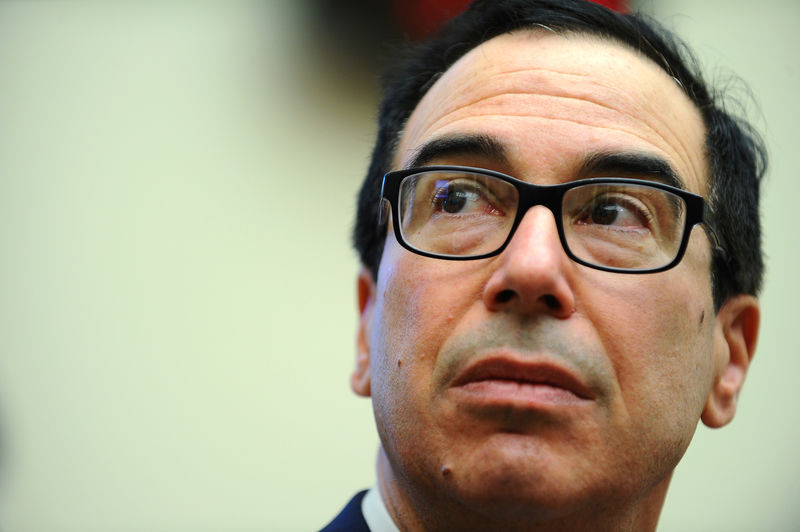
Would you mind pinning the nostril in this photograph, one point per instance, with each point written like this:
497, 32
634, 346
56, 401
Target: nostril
505, 296
552, 302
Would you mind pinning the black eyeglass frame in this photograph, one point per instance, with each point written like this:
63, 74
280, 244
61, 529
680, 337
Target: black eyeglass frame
550, 196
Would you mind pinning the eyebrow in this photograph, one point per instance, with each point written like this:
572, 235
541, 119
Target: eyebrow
483, 146
632, 164
622, 164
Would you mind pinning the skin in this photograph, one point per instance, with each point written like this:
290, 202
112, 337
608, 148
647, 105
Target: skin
649, 352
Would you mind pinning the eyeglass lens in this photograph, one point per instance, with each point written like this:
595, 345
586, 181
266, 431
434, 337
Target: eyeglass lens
619, 225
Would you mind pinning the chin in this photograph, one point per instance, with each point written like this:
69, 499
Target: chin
514, 473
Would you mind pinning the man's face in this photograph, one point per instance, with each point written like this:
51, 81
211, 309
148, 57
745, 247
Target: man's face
527, 377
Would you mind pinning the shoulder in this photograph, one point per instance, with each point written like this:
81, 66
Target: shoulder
350, 519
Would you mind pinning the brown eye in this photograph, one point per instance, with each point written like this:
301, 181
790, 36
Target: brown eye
605, 214
453, 201
459, 198
614, 211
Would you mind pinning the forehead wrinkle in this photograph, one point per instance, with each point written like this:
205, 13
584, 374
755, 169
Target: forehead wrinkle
525, 113
663, 128
556, 90
485, 77
538, 90
448, 118
532, 69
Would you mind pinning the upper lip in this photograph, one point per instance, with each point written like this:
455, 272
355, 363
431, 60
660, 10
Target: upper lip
525, 371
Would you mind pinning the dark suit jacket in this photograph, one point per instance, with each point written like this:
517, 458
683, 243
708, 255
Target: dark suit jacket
350, 519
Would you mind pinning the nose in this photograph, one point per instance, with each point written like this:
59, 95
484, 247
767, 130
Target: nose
533, 275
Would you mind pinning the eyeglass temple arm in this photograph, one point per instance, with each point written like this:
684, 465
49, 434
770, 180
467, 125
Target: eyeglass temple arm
716, 246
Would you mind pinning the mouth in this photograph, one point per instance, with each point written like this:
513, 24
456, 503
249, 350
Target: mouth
504, 381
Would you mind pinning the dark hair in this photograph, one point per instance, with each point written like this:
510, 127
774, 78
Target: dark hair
735, 152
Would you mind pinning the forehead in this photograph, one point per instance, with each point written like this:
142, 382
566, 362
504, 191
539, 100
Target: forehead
552, 101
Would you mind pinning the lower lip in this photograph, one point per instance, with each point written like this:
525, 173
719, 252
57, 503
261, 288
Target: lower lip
519, 394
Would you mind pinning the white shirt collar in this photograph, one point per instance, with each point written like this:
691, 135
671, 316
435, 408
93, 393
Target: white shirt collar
375, 513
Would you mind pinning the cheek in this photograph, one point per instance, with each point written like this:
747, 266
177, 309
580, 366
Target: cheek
407, 314
658, 338
414, 309
421, 300
417, 308
420, 303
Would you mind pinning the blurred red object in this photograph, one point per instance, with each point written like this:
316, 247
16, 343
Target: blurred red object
419, 18
617, 5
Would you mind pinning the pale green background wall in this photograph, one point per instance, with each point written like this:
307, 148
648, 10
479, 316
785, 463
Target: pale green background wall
177, 302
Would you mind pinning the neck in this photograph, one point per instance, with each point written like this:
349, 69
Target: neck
428, 509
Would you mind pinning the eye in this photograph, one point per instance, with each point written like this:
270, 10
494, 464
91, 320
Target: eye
453, 197
614, 210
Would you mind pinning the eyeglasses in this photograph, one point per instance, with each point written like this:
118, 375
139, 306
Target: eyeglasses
608, 223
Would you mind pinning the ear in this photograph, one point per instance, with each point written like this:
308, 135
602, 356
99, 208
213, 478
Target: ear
735, 336
360, 378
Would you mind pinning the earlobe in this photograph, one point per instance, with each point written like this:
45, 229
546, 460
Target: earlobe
360, 378
735, 340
